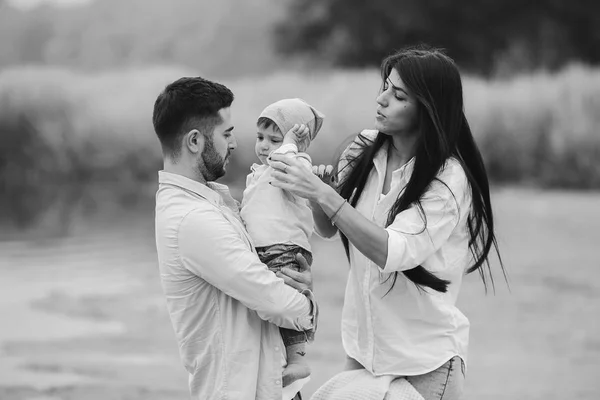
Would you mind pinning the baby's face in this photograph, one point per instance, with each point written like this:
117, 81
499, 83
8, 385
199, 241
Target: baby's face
267, 140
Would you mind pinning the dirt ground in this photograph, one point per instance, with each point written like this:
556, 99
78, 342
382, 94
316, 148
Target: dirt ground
84, 317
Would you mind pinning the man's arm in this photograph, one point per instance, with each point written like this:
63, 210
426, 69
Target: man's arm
212, 249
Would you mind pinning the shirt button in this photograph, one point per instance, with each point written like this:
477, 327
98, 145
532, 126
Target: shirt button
276, 348
278, 382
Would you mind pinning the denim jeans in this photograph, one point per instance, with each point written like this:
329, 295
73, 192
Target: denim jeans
276, 257
444, 383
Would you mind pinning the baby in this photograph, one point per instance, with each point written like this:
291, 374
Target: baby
280, 223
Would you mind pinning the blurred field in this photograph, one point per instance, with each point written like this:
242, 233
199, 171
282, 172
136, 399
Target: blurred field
80, 291
82, 309
84, 317
58, 126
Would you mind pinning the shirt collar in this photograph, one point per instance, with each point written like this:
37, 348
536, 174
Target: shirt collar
380, 161
258, 167
210, 191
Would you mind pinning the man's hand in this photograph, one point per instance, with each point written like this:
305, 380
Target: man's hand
298, 280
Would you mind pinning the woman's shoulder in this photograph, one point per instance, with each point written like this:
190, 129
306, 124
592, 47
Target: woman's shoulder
369, 134
360, 141
452, 166
365, 138
356, 144
453, 175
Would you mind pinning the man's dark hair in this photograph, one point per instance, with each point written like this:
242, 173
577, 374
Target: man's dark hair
186, 104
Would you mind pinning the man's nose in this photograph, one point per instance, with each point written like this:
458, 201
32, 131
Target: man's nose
232, 143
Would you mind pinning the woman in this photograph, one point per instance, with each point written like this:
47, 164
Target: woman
412, 206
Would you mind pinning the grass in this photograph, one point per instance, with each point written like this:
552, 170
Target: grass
62, 127
527, 126
89, 319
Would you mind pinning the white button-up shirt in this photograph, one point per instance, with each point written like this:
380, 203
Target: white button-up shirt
409, 331
273, 215
225, 305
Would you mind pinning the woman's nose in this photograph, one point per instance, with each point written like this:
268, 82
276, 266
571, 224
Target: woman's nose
382, 99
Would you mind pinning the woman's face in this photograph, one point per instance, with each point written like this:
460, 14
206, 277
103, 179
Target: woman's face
397, 110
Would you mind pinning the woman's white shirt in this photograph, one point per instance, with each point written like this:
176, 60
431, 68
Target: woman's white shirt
407, 330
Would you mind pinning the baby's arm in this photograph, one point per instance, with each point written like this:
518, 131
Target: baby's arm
292, 149
293, 143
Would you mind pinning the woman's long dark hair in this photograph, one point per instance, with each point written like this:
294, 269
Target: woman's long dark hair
434, 80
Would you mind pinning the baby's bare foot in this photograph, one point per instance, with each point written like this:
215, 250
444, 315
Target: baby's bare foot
293, 372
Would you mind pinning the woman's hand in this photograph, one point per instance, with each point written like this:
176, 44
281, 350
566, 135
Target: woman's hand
292, 175
325, 172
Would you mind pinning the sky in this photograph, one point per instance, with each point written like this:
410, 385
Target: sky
26, 4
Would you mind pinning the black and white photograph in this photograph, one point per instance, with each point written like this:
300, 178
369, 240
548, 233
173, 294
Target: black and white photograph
299, 200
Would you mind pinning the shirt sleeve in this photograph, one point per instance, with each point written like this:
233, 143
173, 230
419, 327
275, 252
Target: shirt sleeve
293, 149
415, 234
212, 249
352, 151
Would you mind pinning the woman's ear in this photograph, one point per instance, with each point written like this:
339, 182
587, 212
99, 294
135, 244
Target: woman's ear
194, 141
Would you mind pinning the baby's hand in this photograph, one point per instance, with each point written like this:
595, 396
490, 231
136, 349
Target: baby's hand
298, 135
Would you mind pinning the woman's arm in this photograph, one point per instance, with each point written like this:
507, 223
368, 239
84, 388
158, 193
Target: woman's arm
365, 235
414, 235
407, 242
323, 225
370, 239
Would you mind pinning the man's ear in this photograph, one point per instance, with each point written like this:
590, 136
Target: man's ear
194, 141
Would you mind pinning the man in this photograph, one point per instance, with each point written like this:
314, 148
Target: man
225, 305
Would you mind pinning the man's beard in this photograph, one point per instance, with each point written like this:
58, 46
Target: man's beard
213, 165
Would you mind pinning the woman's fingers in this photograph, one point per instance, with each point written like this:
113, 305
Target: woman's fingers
279, 176
324, 172
277, 160
319, 170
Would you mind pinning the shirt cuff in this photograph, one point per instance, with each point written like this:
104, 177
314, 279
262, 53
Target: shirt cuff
286, 148
313, 316
290, 148
396, 252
